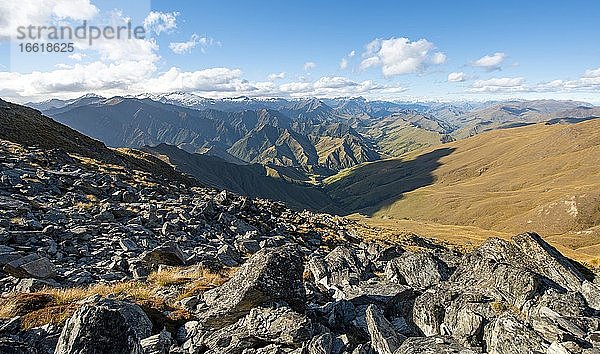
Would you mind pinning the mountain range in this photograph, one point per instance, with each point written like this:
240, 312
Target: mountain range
125, 250
499, 167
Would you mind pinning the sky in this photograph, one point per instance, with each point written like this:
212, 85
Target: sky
394, 50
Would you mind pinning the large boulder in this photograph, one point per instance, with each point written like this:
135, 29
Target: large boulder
108, 326
418, 270
544, 259
271, 274
498, 268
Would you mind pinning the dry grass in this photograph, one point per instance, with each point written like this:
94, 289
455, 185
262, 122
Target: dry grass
83, 206
537, 178
56, 305
17, 220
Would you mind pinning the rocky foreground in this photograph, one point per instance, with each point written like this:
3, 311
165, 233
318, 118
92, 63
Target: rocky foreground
86, 247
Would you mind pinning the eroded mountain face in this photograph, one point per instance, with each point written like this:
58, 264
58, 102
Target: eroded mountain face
107, 256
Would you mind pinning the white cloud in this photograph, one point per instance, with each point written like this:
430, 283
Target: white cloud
592, 73
438, 58
333, 82
213, 79
335, 86
457, 77
159, 22
503, 84
75, 9
351, 54
41, 12
276, 76
77, 56
309, 65
490, 62
195, 40
399, 56
344, 64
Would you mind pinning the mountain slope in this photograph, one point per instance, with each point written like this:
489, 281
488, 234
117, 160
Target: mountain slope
541, 177
28, 127
250, 180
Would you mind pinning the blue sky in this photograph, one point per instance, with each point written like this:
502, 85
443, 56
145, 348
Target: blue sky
439, 50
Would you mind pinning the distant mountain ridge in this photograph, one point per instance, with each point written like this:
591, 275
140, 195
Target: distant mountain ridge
318, 137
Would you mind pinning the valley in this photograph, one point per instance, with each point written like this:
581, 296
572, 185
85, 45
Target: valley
497, 167
187, 250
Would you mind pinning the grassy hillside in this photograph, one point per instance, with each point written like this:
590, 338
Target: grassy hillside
542, 178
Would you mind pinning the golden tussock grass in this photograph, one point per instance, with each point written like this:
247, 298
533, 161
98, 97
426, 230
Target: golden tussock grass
56, 305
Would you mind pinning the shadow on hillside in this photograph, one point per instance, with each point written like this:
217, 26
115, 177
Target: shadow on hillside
379, 184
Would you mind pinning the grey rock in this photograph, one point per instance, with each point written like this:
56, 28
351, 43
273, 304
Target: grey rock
341, 267
168, 253
108, 326
169, 228
433, 345
418, 270
546, 260
28, 285
228, 256
508, 335
383, 337
270, 274
8, 256
321, 344
128, 245
30, 266
279, 325
157, 344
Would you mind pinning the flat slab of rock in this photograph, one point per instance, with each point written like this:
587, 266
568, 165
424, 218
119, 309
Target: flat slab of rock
168, 254
30, 266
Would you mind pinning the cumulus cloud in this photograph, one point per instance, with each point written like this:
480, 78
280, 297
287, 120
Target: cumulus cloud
344, 61
589, 81
592, 73
276, 76
503, 84
457, 77
38, 13
309, 65
398, 56
490, 62
333, 86
159, 22
75, 9
213, 79
344, 64
195, 40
